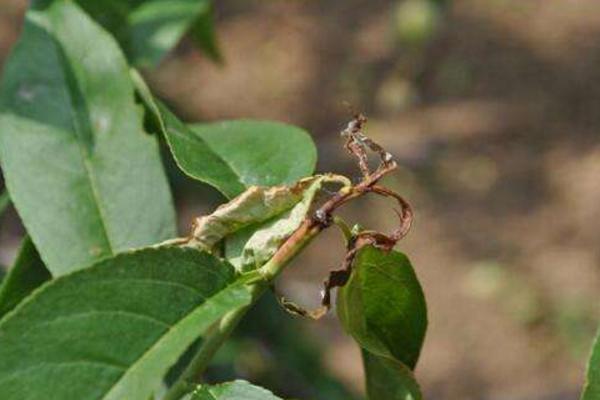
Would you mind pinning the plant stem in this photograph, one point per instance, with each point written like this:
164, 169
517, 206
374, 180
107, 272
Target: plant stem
214, 339
299, 239
220, 332
307, 231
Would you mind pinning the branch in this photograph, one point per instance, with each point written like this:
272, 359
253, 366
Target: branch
262, 278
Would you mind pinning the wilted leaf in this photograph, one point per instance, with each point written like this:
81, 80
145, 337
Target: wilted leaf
234, 155
236, 390
148, 30
591, 390
257, 204
389, 379
112, 331
382, 306
27, 273
84, 177
253, 246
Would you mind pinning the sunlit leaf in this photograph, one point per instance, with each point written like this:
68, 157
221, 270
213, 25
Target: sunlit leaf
382, 306
591, 390
112, 331
261, 152
85, 178
234, 155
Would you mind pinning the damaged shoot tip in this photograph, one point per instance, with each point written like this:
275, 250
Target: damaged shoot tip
282, 219
357, 143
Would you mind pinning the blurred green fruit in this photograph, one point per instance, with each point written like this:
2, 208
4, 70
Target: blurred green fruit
415, 21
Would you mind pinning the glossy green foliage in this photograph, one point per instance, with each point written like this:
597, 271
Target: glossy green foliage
233, 155
591, 390
237, 390
218, 154
389, 379
27, 273
112, 331
148, 30
261, 152
85, 178
382, 306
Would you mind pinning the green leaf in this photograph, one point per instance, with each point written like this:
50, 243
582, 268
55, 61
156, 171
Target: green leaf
111, 331
389, 379
26, 274
148, 30
157, 26
85, 178
382, 306
234, 155
236, 390
591, 390
204, 34
261, 152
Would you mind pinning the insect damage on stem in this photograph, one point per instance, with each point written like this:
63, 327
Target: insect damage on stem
357, 143
259, 204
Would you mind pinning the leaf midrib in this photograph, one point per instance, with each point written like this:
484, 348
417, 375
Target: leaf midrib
190, 135
404, 314
109, 395
229, 165
67, 88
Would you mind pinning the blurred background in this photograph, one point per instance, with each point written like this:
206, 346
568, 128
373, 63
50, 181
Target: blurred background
492, 108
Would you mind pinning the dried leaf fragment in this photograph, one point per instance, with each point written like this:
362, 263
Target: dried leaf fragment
256, 206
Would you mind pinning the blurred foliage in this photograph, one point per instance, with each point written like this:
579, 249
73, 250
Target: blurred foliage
148, 30
491, 280
576, 321
4, 202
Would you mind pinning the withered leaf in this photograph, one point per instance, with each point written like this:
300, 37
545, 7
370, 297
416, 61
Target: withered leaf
258, 221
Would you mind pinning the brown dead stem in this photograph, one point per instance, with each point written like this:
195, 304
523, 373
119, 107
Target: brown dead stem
357, 144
